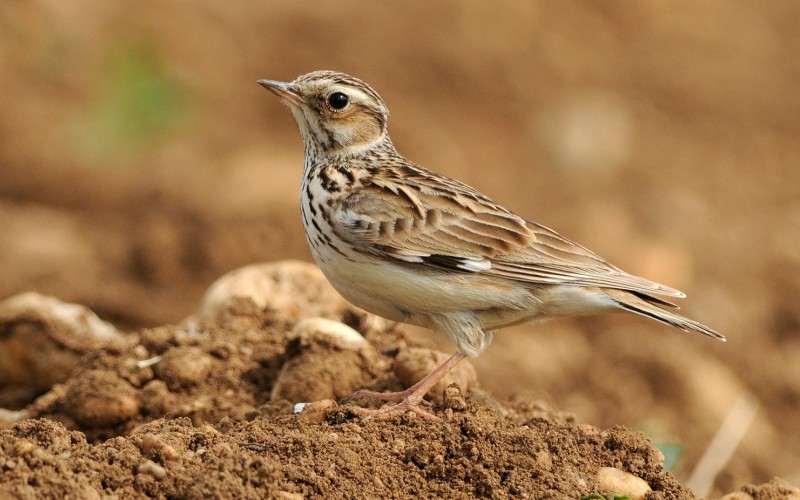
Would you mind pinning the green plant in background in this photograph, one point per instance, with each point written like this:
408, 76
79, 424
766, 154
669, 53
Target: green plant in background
607, 496
669, 446
137, 102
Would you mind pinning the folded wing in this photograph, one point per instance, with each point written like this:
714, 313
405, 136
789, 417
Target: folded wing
450, 226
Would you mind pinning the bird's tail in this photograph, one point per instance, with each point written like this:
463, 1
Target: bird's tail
653, 307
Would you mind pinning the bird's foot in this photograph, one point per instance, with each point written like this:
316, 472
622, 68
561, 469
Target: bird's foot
389, 397
390, 411
405, 401
399, 403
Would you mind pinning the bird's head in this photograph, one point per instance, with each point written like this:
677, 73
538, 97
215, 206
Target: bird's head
338, 115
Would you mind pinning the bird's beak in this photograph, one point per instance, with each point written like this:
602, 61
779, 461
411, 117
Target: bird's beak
283, 90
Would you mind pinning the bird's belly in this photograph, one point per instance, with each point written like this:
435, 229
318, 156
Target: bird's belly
412, 295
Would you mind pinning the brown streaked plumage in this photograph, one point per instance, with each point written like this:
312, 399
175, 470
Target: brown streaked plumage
415, 246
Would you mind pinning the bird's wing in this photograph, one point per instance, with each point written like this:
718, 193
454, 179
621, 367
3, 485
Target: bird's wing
448, 225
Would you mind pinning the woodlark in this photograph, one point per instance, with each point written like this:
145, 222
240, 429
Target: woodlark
414, 246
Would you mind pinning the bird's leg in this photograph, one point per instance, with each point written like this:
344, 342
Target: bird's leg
408, 400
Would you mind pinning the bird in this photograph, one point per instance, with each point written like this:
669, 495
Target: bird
417, 247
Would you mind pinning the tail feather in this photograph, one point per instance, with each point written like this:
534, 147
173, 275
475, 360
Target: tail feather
646, 305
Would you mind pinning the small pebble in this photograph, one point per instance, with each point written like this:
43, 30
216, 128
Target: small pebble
184, 366
299, 407
615, 480
290, 288
152, 468
317, 412
99, 399
154, 444
328, 331
319, 348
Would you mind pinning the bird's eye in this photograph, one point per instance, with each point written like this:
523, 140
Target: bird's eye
338, 100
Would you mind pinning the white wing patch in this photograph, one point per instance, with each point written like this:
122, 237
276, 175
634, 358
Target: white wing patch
409, 256
474, 264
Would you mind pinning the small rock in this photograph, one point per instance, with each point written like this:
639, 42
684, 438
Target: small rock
44, 338
153, 445
614, 480
156, 398
184, 366
327, 360
316, 413
151, 468
589, 430
454, 399
98, 398
11, 417
326, 331
286, 495
290, 288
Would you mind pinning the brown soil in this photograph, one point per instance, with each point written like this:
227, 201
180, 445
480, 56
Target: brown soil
200, 422
139, 161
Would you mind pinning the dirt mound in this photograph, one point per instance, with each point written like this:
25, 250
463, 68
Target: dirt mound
498, 451
208, 408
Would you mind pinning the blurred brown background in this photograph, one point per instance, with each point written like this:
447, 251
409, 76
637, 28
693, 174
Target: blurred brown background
139, 160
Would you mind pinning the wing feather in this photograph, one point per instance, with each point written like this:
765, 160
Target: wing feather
448, 225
